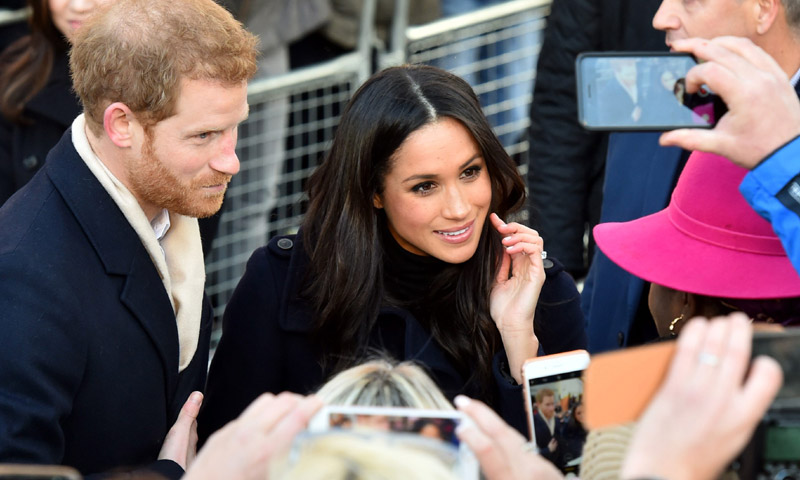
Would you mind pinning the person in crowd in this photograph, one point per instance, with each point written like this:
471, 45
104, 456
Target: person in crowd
403, 250
611, 297
759, 132
547, 426
573, 436
105, 323
567, 162
728, 400
37, 103
708, 253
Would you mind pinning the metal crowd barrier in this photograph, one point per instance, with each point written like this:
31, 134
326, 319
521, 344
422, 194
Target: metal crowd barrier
291, 123
495, 49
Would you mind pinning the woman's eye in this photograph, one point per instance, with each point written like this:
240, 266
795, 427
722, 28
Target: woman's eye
471, 172
423, 188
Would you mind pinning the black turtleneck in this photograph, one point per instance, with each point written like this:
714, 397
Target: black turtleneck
407, 277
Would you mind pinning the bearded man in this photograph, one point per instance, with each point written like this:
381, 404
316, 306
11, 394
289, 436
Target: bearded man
102, 308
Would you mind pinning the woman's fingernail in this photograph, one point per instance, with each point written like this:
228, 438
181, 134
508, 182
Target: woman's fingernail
461, 401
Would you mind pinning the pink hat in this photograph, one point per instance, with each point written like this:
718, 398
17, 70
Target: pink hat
708, 241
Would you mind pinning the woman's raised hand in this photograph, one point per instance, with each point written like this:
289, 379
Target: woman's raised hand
516, 291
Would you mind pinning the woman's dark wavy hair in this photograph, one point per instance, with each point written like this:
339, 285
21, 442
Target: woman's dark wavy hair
25, 65
342, 228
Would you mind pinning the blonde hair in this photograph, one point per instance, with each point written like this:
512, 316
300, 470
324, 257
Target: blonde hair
381, 383
343, 456
138, 51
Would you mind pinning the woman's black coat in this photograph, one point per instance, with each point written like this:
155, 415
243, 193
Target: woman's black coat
24, 145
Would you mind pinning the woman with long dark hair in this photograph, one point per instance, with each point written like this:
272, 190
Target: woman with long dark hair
403, 251
36, 100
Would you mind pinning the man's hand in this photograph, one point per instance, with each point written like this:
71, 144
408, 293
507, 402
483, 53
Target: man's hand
763, 108
180, 445
243, 448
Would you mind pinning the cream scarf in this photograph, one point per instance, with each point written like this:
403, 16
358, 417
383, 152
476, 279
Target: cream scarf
182, 271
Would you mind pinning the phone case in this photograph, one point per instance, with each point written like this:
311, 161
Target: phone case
619, 385
526, 393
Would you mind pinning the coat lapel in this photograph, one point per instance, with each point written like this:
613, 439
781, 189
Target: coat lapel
120, 250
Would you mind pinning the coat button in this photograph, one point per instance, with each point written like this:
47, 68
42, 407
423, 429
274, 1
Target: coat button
547, 263
285, 244
620, 338
30, 162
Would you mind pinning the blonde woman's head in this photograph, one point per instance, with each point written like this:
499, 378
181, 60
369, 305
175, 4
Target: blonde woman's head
381, 383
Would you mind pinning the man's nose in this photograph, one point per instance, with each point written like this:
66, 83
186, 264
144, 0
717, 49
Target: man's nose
665, 18
227, 161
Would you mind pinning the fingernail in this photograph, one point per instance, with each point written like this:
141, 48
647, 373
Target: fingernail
196, 398
461, 401
740, 317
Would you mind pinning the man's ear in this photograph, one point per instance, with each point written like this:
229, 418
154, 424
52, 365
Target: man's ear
766, 11
376, 201
120, 124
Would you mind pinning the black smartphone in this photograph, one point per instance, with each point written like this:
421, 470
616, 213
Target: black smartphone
641, 91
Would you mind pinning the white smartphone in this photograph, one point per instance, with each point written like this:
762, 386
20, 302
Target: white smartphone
553, 390
435, 428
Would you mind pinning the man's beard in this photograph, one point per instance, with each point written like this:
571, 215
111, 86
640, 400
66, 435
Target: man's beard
154, 183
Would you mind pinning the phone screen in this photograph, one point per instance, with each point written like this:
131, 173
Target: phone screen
431, 430
618, 91
437, 428
558, 418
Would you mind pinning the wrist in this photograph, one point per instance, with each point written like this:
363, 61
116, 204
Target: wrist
519, 348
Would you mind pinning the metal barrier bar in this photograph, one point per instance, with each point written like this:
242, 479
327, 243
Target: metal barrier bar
495, 49
7, 16
291, 123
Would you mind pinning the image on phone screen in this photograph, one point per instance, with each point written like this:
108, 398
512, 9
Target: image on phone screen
558, 412
641, 92
429, 430
437, 428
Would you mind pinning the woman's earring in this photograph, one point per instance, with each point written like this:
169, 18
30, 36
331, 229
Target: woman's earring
672, 324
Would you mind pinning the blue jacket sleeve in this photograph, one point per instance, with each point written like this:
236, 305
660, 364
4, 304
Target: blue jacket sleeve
773, 190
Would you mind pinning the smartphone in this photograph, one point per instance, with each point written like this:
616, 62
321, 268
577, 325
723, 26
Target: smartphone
553, 395
641, 91
420, 427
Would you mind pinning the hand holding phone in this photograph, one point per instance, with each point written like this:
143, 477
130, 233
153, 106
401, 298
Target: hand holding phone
553, 390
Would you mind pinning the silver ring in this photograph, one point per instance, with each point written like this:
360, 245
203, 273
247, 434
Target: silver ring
709, 359
544, 255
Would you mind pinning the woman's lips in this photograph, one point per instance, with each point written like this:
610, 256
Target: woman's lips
456, 235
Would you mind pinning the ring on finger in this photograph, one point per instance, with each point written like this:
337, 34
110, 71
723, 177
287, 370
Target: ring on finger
706, 358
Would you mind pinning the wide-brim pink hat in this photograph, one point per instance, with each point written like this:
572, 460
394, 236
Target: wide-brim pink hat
708, 241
